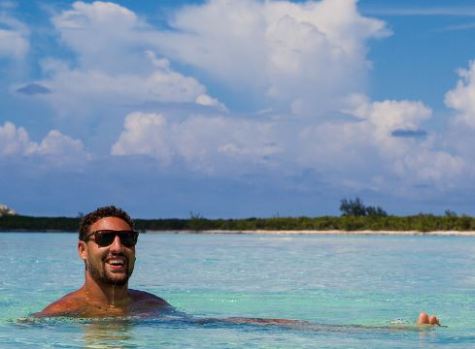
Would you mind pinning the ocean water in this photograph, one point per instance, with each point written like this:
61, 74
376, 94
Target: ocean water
352, 290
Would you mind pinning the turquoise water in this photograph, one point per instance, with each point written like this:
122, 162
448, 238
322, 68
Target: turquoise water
364, 283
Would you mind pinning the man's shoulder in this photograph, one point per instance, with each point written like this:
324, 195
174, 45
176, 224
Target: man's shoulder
66, 305
146, 297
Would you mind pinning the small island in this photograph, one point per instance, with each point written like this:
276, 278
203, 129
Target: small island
355, 218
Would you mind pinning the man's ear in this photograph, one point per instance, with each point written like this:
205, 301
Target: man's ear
82, 250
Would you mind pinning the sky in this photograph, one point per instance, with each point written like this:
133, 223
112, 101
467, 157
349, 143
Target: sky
230, 109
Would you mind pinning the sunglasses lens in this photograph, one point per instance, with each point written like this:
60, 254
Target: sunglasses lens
128, 239
105, 238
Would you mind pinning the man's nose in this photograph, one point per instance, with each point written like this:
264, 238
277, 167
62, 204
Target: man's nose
116, 244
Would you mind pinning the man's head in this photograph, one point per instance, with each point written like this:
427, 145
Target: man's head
107, 245
102, 212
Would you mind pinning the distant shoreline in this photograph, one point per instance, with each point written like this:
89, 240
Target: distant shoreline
321, 232
422, 224
275, 232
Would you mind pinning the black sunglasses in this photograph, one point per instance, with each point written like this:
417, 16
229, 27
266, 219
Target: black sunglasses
104, 238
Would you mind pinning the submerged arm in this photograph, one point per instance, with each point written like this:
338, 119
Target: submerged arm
423, 319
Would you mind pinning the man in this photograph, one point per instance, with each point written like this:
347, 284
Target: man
107, 246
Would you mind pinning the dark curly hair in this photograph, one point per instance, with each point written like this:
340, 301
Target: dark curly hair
99, 213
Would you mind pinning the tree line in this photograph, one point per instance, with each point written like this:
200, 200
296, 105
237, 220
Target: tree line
355, 215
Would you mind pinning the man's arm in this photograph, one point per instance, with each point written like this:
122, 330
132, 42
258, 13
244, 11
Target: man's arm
423, 319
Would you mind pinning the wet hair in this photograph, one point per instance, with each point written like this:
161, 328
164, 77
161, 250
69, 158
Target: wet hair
99, 213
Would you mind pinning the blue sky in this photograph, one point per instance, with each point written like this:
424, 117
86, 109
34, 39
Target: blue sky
237, 108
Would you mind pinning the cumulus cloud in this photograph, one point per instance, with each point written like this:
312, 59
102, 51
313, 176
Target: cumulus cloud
360, 151
145, 134
462, 97
303, 58
15, 141
208, 144
104, 36
367, 142
113, 65
458, 135
59, 148
384, 117
14, 38
296, 55
418, 159
71, 87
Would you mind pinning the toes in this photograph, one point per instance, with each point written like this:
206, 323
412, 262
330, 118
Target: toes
423, 319
433, 320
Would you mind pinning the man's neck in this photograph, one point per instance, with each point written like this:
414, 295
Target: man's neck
106, 294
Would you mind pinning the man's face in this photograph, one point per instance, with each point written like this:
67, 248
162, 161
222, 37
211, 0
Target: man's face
112, 264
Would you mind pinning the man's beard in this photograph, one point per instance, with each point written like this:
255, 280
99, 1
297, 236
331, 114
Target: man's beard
101, 275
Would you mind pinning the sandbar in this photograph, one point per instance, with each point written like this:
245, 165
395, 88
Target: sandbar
329, 232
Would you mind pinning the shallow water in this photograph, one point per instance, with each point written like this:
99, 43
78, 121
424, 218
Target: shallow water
363, 283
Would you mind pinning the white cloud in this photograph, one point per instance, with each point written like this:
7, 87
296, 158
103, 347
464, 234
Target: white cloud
208, 144
383, 117
462, 97
145, 134
113, 66
223, 144
102, 34
293, 58
15, 141
296, 55
71, 87
440, 168
59, 148
360, 152
458, 134
412, 159
14, 38
208, 101
304, 58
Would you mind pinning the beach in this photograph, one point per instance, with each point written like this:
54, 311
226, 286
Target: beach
330, 232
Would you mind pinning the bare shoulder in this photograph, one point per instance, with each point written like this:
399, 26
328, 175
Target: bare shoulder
144, 302
142, 297
70, 304
147, 304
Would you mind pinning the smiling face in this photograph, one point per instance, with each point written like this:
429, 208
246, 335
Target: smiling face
112, 264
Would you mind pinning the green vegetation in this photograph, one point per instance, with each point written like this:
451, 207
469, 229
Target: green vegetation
27, 223
357, 208
355, 215
420, 222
